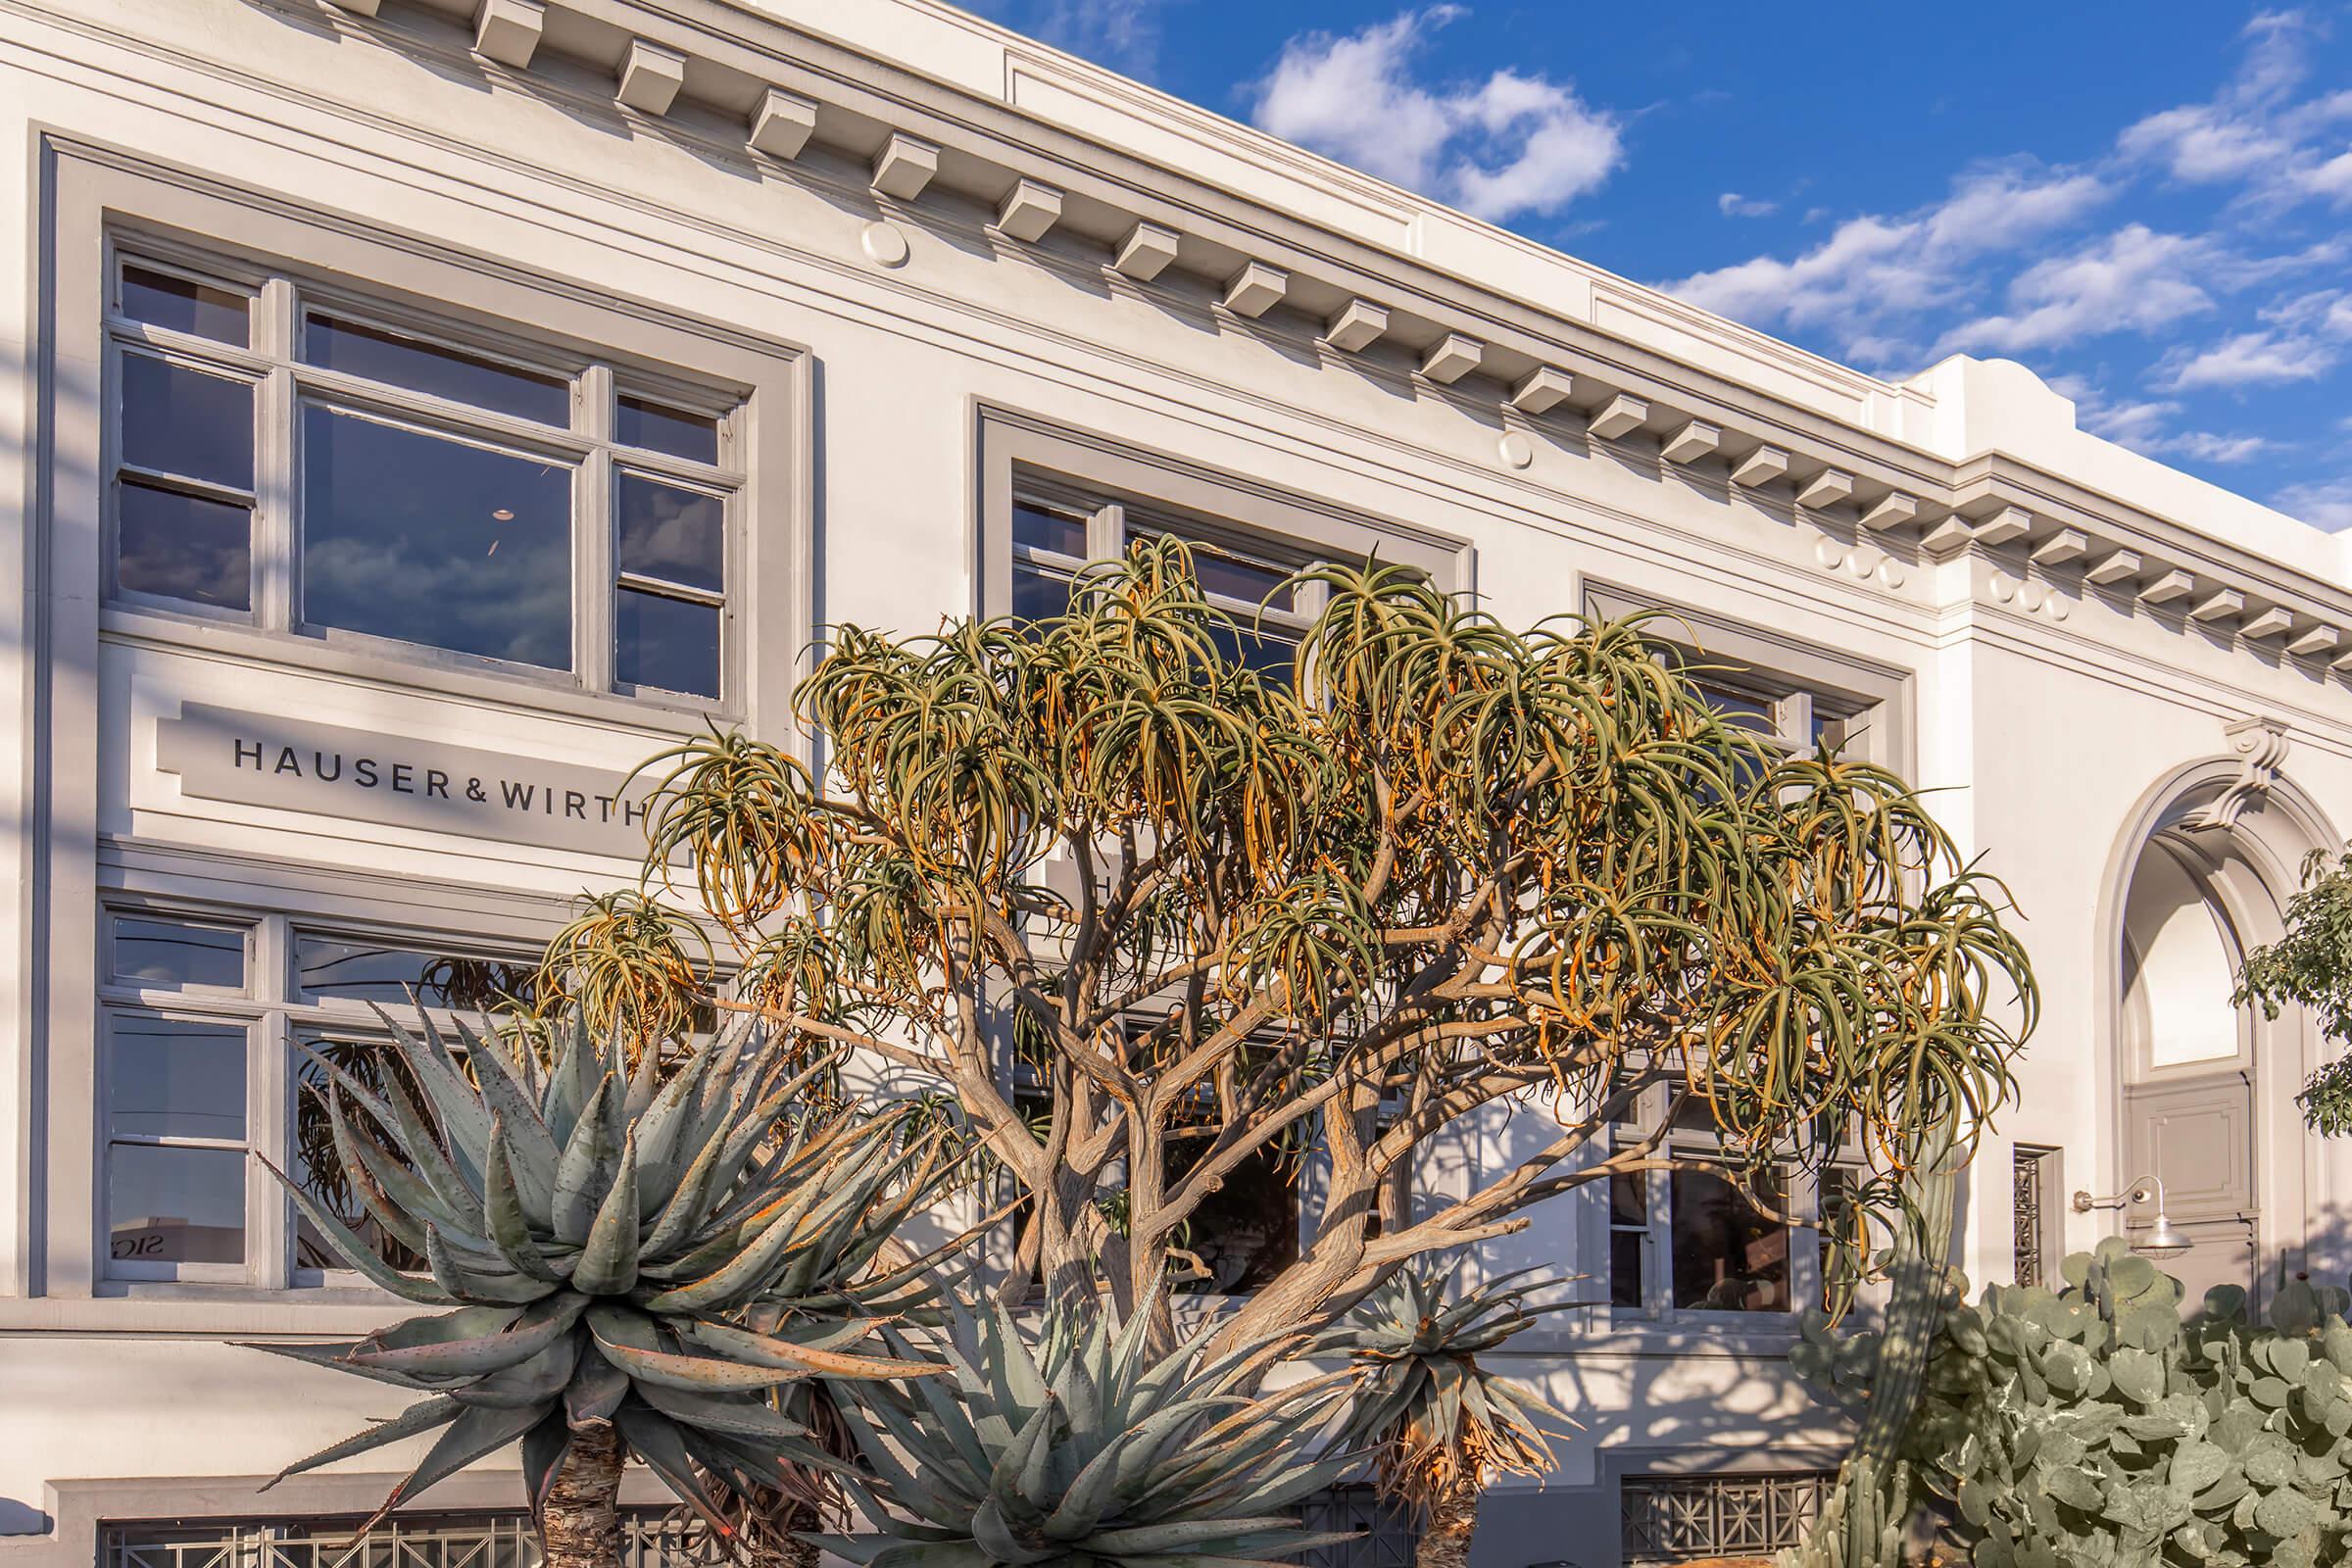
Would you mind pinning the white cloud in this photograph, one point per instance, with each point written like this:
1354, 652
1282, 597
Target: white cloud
1731, 204
1875, 267
2324, 504
2206, 446
2133, 278
1508, 146
2255, 131
2248, 358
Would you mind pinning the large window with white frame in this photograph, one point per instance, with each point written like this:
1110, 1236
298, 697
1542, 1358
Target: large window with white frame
207, 1023
1692, 1241
318, 460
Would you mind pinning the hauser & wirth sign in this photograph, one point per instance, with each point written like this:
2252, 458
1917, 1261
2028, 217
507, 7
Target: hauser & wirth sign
295, 766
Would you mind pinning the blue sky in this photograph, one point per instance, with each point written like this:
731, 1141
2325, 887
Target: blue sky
2150, 204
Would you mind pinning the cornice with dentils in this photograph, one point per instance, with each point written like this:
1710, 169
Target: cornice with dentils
928, 100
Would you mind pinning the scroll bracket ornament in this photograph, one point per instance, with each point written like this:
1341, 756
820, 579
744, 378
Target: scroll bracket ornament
2260, 742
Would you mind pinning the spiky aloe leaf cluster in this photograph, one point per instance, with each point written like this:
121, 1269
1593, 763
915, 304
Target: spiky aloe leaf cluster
1433, 1417
1079, 1446
618, 1249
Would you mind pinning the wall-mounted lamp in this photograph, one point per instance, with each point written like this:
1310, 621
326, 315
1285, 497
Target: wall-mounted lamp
2164, 1239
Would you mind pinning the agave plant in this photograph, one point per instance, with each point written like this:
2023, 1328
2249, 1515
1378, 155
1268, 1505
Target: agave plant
1084, 1449
1437, 1423
633, 1265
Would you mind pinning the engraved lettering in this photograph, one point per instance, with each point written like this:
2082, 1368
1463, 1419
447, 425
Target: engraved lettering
319, 767
436, 783
402, 772
519, 796
365, 771
575, 804
286, 762
251, 748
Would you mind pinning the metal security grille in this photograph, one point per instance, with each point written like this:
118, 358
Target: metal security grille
1681, 1518
1390, 1532
655, 1538
2029, 1192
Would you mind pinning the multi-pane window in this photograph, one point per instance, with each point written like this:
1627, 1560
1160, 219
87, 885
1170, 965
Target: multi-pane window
1057, 530
208, 1024
309, 461
1696, 1239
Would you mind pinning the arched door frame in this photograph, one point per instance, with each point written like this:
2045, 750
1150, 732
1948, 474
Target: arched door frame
2252, 865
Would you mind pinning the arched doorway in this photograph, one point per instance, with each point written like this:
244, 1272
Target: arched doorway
2206, 1089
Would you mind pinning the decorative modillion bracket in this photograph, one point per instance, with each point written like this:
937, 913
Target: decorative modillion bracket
2260, 742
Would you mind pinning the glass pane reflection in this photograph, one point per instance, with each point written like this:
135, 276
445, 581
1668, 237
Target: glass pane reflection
175, 954
175, 1205
421, 366
430, 540
172, 1078
671, 644
182, 420
183, 305
358, 970
672, 533
182, 546
638, 422
1727, 1256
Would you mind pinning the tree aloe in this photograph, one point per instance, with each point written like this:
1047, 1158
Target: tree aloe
632, 1264
1263, 912
1439, 1425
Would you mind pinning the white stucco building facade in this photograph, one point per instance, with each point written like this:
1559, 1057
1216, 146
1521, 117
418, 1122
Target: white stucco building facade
732, 319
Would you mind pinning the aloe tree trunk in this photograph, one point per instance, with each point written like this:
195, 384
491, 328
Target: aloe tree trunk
581, 1528
1452, 1520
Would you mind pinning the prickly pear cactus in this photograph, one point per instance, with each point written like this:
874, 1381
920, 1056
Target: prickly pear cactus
2092, 1425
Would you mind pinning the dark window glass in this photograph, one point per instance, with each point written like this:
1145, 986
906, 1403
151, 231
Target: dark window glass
1244, 644
174, 954
1250, 581
183, 305
357, 971
1246, 1231
1628, 1221
169, 1078
175, 1205
182, 546
1727, 1256
672, 533
1039, 596
692, 436
421, 367
433, 541
1041, 529
1740, 708
180, 420
318, 1168
667, 643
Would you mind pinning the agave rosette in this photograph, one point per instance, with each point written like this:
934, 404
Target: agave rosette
1434, 1416
1081, 1448
661, 1256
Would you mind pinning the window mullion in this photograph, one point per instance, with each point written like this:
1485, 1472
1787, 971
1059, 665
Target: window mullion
276, 461
270, 1112
1106, 532
595, 528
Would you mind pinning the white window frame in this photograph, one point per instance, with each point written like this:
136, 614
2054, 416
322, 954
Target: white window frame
1800, 1197
1122, 489
283, 301
1870, 704
275, 1014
